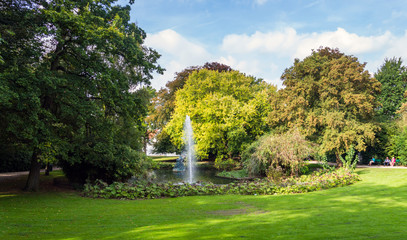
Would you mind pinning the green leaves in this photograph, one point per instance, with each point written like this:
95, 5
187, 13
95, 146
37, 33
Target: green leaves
227, 109
303, 184
331, 99
70, 74
393, 77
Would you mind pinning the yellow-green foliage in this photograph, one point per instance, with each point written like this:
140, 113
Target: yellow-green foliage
227, 110
278, 154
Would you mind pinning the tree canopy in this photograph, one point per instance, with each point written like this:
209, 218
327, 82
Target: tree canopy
228, 110
331, 98
69, 83
393, 77
163, 104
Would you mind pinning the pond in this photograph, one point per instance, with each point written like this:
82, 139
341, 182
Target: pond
202, 175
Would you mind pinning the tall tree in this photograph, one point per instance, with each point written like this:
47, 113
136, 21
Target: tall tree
228, 111
331, 98
164, 103
393, 77
74, 86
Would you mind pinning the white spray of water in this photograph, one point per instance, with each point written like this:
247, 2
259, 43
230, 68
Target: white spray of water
190, 149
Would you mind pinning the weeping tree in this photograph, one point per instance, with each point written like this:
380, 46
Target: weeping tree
275, 155
70, 82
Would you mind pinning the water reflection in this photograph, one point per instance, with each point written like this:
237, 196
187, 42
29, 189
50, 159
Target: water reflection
201, 175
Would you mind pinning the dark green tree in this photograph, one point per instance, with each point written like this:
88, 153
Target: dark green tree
393, 77
69, 85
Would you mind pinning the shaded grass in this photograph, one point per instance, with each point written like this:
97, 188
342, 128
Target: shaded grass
375, 208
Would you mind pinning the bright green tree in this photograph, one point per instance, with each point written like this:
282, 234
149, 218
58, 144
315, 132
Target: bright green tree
393, 77
228, 111
331, 98
69, 84
163, 104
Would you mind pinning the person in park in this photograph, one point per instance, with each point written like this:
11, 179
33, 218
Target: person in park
387, 162
393, 161
372, 161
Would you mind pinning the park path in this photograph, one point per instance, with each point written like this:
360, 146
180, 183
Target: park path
15, 182
365, 166
18, 174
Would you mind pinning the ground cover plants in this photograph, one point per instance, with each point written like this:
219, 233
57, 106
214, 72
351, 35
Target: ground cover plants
305, 183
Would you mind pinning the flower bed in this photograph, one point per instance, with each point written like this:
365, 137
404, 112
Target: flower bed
305, 183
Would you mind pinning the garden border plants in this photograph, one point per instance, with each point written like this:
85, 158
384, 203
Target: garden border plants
305, 183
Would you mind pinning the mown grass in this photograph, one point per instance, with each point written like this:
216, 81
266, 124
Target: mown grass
375, 208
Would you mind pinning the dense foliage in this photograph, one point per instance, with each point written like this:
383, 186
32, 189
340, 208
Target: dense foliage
14, 159
305, 183
331, 98
70, 85
393, 77
163, 105
276, 155
228, 111
396, 137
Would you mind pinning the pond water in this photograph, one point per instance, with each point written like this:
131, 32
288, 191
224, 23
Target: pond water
201, 175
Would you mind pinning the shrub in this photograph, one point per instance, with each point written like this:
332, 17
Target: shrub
306, 183
14, 159
277, 154
119, 166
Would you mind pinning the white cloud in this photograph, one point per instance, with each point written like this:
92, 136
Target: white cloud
289, 43
260, 2
177, 53
275, 50
397, 47
266, 54
272, 42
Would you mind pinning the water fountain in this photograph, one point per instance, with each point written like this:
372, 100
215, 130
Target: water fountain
188, 154
189, 150
185, 165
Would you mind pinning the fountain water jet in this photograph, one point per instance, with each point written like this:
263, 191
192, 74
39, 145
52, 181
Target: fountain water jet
189, 149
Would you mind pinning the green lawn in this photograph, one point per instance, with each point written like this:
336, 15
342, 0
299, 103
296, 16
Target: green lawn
375, 208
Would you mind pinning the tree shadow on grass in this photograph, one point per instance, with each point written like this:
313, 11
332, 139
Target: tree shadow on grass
363, 211
373, 208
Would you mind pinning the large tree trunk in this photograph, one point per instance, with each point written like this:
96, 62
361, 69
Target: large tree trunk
33, 180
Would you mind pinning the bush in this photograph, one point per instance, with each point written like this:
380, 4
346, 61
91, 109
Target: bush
306, 183
14, 159
119, 166
277, 154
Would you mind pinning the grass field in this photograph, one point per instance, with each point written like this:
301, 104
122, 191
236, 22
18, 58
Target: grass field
375, 208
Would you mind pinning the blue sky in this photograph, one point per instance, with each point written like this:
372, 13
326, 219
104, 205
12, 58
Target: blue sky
263, 37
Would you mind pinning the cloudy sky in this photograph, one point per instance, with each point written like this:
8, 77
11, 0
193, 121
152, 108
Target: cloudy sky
263, 37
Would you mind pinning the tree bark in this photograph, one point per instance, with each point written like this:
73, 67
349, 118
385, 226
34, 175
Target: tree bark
338, 160
33, 180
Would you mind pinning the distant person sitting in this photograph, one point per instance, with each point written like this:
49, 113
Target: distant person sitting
372, 161
387, 162
393, 161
